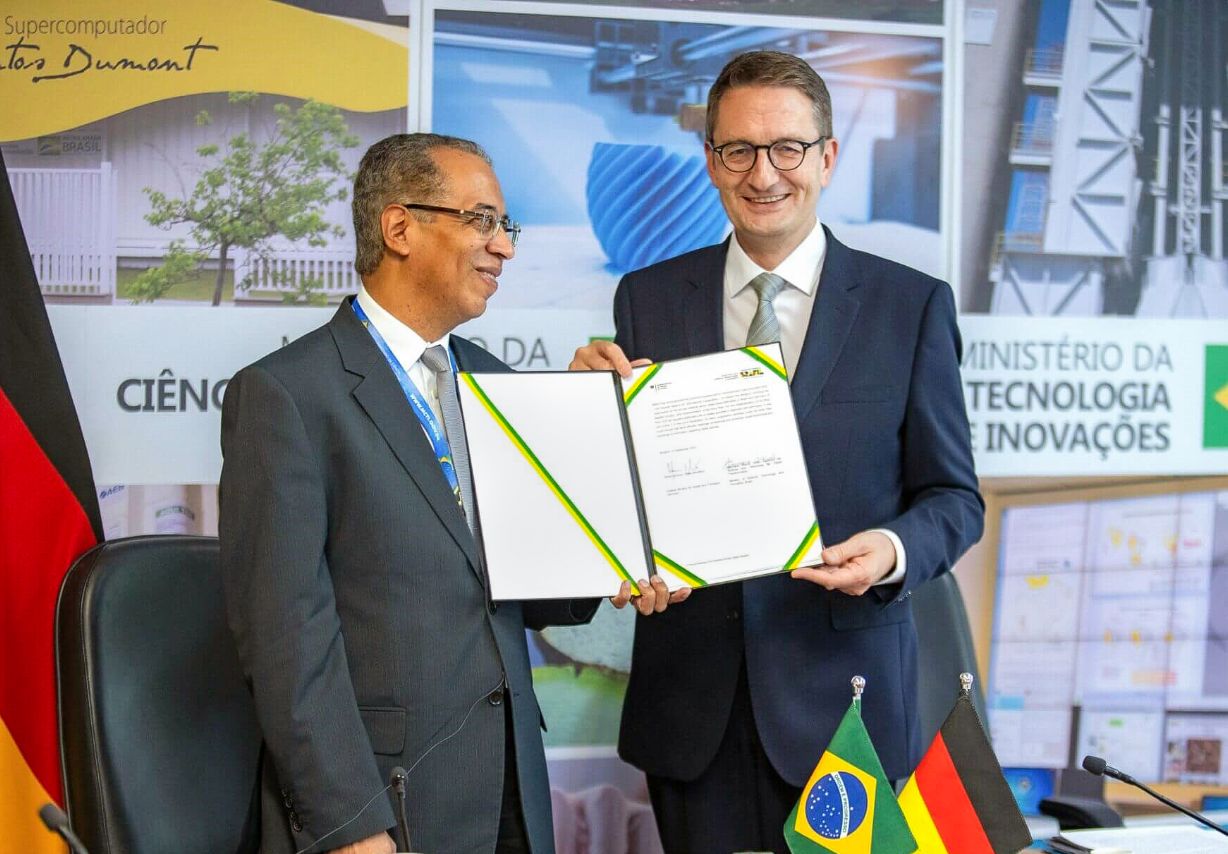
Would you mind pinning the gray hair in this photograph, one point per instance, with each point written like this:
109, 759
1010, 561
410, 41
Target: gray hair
399, 168
771, 68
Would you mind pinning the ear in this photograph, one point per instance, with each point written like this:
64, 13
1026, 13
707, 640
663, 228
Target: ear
397, 225
830, 149
710, 160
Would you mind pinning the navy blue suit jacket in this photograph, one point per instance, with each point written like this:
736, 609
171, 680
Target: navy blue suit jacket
885, 433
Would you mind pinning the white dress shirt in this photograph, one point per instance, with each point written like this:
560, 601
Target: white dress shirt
794, 305
408, 346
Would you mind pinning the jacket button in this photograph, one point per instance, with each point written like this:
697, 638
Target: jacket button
735, 615
496, 696
295, 824
287, 800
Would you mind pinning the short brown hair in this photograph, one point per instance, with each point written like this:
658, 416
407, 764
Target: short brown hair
398, 168
771, 68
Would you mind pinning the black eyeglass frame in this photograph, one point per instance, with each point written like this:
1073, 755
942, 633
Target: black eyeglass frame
719, 150
510, 227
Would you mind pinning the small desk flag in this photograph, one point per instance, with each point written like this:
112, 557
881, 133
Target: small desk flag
957, 801
848, 806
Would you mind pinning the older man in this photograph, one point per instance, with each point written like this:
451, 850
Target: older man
744, 686
349, 553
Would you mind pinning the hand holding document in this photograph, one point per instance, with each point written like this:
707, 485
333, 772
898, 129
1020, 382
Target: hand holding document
692, 467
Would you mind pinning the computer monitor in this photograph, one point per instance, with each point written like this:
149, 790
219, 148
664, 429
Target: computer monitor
1110, 635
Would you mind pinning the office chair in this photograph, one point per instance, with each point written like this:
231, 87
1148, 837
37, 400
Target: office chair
944, 647
159, 740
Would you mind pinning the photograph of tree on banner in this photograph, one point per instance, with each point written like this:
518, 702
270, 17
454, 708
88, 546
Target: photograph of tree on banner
253, 193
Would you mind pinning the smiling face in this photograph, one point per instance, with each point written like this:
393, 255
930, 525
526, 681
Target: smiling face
453, 269
771, 211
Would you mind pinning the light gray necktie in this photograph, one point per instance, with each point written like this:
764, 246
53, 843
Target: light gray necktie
436, 359
764, 327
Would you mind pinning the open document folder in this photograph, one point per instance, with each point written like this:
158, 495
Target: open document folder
690, 469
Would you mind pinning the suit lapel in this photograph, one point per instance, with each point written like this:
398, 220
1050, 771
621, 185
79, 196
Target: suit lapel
703, 312
380, 396
831, 321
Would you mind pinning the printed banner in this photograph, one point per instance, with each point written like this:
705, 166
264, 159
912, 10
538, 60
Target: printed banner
71, 62
1096, 396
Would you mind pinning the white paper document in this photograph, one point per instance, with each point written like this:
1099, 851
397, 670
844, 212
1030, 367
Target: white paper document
691, 469
1143, 840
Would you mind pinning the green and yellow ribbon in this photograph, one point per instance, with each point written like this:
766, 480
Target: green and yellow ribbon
548, 479
677, 569
643, 379
795, 559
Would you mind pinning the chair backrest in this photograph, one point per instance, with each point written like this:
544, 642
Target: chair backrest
944, 646
159, 741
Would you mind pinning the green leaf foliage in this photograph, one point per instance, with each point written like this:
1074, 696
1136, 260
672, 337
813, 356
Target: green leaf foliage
257, 188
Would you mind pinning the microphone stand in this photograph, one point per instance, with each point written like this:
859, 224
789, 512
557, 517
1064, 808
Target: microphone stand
1110, 771
1198, 817
57, 822
399, 778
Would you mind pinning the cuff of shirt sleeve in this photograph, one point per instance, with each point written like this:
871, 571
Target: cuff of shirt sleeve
901, 561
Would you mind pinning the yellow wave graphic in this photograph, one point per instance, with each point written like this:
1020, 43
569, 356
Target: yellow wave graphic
66, 63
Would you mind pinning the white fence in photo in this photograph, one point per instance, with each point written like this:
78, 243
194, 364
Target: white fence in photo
282, 271
69, 219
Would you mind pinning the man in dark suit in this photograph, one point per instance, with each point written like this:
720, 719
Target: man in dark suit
351, 569
743, 687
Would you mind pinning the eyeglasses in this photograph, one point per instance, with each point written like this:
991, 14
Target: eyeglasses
485, 221
784, 154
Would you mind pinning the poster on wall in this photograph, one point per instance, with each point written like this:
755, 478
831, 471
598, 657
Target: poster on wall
596, 128
172, 165
1093, 161
595, 121
1093, 283
156, 132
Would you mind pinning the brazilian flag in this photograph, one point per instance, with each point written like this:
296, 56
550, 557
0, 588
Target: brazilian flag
848, 807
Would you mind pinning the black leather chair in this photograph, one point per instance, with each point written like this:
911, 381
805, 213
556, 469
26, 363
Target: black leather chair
944, 645
159, 740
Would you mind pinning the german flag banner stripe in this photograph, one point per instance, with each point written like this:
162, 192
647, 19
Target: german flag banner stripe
920, 822
947, 801
958, 799
48, 517
983, 780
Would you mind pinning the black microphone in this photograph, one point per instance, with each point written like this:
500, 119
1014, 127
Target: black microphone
1096, 765
55, 820
397, 779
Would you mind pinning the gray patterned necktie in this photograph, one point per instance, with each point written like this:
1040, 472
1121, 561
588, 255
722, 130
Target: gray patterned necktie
764, 327
436, 359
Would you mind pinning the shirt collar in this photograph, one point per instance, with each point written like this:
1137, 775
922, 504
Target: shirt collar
407, 345
800, 269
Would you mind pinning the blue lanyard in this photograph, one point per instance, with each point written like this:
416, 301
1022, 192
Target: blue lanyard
434, 430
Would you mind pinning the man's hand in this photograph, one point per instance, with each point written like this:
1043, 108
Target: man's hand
380, 843
654, 597
604, 356
855, 565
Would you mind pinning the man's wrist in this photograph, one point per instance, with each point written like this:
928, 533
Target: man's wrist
896, 575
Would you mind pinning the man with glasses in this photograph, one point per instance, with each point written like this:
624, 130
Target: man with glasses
743, 686
349, 542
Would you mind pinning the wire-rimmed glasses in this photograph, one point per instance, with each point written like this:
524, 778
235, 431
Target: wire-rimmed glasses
485, 220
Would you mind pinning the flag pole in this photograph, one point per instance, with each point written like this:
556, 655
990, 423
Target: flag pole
965, 684
859, 685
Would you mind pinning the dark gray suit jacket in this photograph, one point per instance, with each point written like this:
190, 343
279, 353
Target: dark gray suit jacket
358, 605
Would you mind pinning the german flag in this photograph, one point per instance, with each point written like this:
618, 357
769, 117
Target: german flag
48, 516
957, 801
